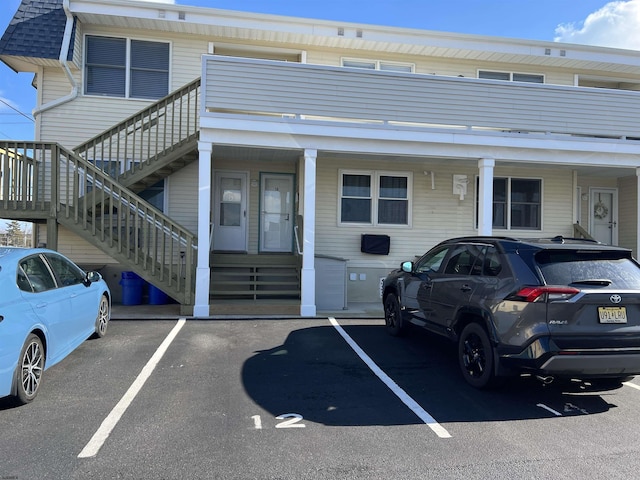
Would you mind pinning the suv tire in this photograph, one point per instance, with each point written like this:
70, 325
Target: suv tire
476, 358
393, 315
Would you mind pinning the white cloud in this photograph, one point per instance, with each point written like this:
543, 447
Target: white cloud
617, 25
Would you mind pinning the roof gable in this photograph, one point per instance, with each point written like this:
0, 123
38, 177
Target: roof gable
36, 30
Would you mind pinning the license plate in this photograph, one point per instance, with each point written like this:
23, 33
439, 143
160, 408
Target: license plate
612, 314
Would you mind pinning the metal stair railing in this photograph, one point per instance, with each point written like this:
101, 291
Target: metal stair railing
92, 204
143, 138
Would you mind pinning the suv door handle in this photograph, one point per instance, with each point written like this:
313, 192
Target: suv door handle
465, 288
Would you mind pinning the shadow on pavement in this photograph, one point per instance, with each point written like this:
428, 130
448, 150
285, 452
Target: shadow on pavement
314, 373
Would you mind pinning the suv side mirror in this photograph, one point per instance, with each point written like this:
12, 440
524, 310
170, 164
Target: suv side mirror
406, 267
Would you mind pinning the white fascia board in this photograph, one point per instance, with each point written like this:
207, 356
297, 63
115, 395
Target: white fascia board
533, 148
373, 34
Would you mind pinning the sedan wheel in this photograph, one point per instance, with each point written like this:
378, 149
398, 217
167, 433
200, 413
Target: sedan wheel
475, 356
30, 368
104, 315
393, 315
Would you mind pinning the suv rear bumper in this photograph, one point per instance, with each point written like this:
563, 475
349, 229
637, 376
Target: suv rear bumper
544, 357
592, 365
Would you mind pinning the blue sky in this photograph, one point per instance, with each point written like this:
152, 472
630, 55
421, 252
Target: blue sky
576, 21
596, 22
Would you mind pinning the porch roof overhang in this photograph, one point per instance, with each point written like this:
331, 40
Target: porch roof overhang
286, 140
262, 29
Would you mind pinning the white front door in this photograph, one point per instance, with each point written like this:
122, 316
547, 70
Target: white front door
230, 211
603, 217
276, 213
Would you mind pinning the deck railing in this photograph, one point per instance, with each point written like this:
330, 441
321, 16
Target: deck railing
47, 179
284, 92
145, 136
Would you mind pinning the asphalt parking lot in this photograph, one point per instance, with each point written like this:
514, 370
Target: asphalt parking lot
304, 399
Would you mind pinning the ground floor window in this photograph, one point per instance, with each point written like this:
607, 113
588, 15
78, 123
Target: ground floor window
517, 203
374, 198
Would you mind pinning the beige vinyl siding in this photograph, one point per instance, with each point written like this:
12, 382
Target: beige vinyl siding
81, 112
441, 66
627, 218
77, 45
182, 197
437, 214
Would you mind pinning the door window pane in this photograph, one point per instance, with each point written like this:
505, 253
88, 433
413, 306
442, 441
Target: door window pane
230, 201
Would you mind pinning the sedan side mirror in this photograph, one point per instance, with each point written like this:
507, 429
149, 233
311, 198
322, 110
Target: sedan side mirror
93, 277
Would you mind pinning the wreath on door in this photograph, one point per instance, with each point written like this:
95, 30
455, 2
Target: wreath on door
600, 210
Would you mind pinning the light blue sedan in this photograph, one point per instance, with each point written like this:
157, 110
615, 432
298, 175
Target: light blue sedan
48, 306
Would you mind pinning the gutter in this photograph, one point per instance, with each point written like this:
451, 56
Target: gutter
64, 53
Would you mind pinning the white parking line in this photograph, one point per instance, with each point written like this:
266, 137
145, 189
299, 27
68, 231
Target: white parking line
632, 385
549, 409
101, 435
399, 392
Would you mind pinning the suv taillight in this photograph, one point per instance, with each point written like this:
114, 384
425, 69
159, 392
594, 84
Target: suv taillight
545, 293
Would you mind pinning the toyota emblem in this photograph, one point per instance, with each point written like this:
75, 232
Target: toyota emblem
615, 298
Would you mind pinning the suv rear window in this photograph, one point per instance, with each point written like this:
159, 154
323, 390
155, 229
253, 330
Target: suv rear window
565, 267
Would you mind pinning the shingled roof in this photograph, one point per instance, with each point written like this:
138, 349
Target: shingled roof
36, 30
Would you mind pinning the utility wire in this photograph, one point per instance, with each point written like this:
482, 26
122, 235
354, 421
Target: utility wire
16, 110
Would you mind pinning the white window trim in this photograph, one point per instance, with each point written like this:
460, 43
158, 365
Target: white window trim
375, 197
508, 227
511, 74
377, 63
127, 65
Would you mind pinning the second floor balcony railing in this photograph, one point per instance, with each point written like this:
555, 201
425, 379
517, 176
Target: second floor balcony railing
281, 91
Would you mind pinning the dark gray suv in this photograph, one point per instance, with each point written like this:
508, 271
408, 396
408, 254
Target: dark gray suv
553, 308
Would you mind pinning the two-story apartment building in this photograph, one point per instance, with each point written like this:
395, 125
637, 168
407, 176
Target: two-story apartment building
290, 163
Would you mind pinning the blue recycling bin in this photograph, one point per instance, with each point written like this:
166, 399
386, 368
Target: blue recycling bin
157, 296
131, 288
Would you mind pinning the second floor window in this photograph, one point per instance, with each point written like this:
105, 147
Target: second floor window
120, 67
511, 77
378, 65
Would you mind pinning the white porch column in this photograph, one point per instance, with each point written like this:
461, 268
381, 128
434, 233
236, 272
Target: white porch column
201, 307
637, 252
308, 290
485, 196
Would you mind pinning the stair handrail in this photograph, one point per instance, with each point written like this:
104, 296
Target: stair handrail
160, 127
580, 232
46, 176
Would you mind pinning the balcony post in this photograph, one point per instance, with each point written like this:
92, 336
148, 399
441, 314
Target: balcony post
485, 196
201, 306
308, 290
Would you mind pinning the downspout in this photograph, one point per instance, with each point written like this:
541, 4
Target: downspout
52, 227
64, 53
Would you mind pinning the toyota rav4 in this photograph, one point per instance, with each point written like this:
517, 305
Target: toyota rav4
552, 308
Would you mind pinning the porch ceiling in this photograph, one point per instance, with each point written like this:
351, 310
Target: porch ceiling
268, 155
